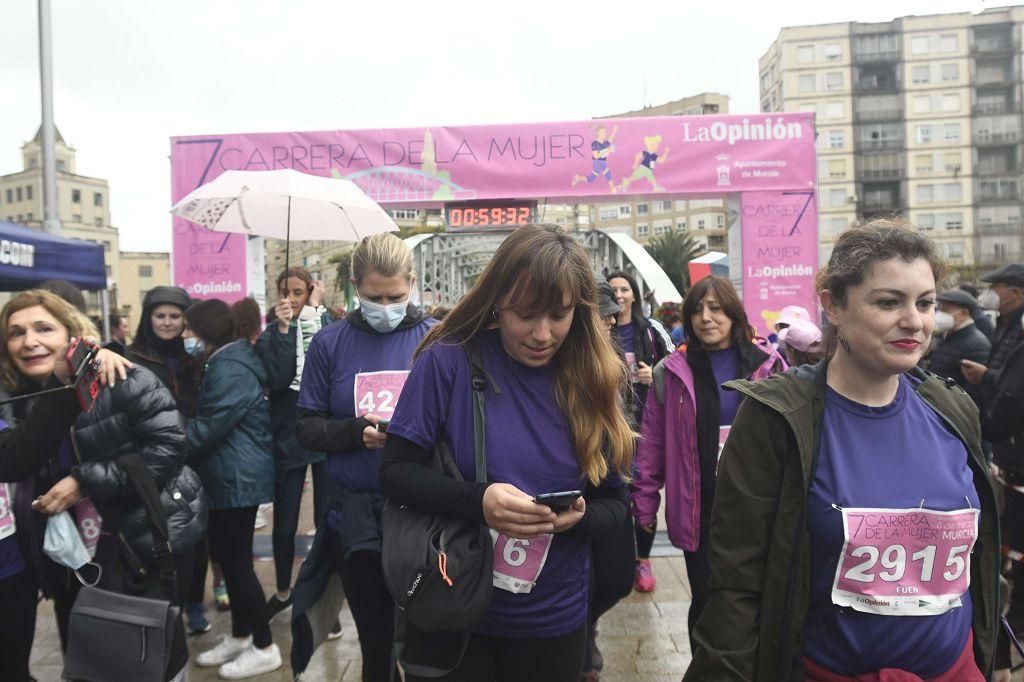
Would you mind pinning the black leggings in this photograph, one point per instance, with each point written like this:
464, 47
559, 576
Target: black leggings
372, 608
17, 626
698, 574
511, 659
230, 532
645, 541
287, 502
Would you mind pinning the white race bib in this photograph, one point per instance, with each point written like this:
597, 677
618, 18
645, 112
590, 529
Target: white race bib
518, 563
905, 562
7, 525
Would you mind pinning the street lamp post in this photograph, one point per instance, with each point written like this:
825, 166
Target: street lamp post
51, 221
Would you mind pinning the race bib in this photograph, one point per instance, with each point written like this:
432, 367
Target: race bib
634, 369
723, 435
905, 562
7, 524
518, 563
89, 525
378, 392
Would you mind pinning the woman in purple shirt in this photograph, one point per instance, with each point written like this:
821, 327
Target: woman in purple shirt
553, 424
854, 534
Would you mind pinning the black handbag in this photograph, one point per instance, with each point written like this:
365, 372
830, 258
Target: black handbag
439, 568
118, 636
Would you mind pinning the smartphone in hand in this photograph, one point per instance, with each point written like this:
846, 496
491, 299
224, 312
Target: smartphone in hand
559, 501
383, 424
80, 357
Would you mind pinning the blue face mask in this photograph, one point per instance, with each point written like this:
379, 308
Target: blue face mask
383, 318
63, 544
194, 346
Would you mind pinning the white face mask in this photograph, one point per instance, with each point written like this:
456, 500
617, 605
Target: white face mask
63, 544
989, 299
943, 321
383, 318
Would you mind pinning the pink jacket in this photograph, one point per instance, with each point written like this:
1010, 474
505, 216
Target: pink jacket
667, 455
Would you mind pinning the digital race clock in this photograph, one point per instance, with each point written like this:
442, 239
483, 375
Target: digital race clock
489, 215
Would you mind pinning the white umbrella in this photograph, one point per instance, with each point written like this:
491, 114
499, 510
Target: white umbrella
284, 204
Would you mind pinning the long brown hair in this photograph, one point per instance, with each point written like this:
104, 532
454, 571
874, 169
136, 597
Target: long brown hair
532, 271
75, 323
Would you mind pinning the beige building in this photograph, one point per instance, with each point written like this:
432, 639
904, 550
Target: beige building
83, 205
140, 271
919, 116
653, 216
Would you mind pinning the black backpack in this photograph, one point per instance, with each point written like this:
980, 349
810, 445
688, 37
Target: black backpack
439, 568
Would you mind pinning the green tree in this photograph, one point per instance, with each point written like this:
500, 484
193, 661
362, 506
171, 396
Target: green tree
673, 251
343, 263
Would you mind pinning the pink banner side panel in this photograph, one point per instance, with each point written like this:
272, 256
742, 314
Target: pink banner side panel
780, 254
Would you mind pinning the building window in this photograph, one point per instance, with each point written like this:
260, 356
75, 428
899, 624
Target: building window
923, 104
954, 249
950, 72
835, 110
641, 209
98, 222
833, 52
836, 139
608, 213
923, 134
701, 223
923, 163
805, 54
106, 246
921, 74
948, 43
76, 196
953, 221
952, 132
836, 197
834, 81
926, 221
681, 226
951, 102
17, 193
660, 230
925, 194
625, 211
952, 162
720, 221
641, 230
145, 271
28, 218
919, 45
837, 168
951, 191
97, 199
10, 196
806, 84
28, 192
107, 268
60, 165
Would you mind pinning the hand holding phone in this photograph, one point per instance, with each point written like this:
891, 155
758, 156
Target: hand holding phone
383, 424
80, 356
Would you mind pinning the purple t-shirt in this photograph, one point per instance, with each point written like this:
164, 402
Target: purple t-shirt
528, 446
12, 562
891, 457
726, 366
627, 337
337, 353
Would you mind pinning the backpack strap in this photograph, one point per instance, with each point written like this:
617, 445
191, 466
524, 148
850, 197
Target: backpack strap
145, 488
480, 382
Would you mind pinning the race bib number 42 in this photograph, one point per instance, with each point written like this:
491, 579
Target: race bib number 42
378, 392
518, 563
905, 562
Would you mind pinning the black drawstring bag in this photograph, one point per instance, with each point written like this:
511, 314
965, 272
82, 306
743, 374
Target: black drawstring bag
439, 568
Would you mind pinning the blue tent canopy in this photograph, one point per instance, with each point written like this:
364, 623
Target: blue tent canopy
28, 257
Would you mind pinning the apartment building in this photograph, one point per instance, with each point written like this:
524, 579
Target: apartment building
920, 117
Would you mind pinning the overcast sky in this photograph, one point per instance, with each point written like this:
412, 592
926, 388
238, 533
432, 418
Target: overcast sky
129, 74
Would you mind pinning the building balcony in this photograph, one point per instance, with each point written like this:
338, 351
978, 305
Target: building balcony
987, 171
986, 138
884, 205
879, 174
990, 108
879, 115
878, 145
873, 88
999, 229
994, 260
994, 46
860, 57
998, 190
993, 79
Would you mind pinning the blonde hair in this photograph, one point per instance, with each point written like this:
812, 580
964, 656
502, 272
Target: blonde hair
533, 270
384, 254
74, 322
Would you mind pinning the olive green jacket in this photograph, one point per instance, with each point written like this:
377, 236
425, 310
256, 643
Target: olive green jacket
753, 625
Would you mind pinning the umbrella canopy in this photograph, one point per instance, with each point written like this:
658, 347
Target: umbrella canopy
285, 204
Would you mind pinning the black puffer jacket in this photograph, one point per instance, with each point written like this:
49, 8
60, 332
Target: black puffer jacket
138, 415
962, 344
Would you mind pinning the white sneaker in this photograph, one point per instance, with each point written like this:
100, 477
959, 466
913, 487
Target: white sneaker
228, 649
261, 520
252, 662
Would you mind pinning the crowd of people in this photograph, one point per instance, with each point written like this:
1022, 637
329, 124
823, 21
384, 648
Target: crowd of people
847, 493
